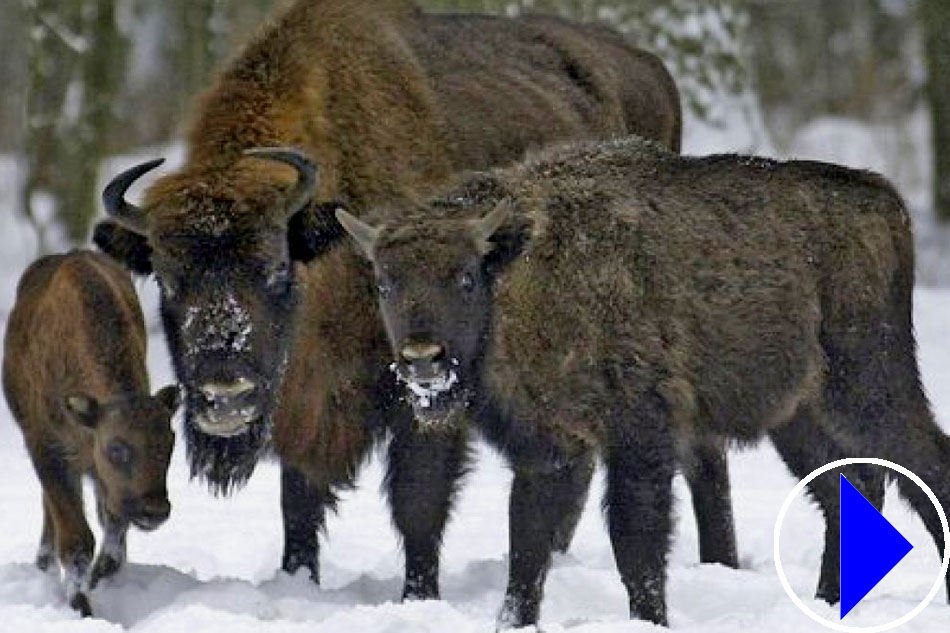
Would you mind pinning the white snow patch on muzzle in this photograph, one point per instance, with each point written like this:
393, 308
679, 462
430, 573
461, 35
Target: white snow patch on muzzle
425, 392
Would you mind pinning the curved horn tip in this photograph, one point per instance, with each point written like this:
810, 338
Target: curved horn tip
122, 181
113, 196
152, 164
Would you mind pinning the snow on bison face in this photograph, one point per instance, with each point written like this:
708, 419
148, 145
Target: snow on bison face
225, 252
434, 295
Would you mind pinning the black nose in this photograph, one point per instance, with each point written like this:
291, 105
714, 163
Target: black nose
422, 352
156, 511
147, 512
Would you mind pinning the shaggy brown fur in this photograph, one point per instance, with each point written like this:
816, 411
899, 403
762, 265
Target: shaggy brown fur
75, 379
633, 300
390, 101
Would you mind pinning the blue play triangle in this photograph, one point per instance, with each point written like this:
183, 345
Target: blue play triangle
870, 546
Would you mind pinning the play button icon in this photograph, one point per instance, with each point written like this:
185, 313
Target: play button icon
870, 546
870, 549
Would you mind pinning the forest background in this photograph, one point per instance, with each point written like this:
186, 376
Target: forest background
860, 81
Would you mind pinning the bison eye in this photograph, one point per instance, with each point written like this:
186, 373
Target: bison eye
467, 281
167, 286
279, 276
119, 453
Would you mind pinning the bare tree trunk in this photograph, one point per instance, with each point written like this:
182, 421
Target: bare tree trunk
77, 62
103, 68
936, 20
13, 76
52, 59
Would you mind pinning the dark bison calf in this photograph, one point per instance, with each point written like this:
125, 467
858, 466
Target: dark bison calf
75, 379
623, 300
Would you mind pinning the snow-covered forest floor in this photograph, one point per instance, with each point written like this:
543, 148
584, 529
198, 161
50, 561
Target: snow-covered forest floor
212, 567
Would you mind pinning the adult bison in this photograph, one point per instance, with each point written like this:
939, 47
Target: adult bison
622, 300
274, 352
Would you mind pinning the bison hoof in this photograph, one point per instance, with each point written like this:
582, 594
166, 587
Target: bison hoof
649, 610
80, 603
831, 595
417, 588
293, 564
505, 626
105, 566
416, 594
44, 560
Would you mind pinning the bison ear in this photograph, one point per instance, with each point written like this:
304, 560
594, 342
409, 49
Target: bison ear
82, 409
127, 247
313, 231
169, 397
507, 240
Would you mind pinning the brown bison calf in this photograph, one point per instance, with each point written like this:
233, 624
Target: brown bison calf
622, 300
75, 379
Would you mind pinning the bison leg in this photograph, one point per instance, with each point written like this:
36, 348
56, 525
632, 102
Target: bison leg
928, 456
900, 428
421, 481
539, 500
113, 553
568, 524
639, 500
805, 446
74, 540
914, 441
303, 507
708, 480
45, 553
876, 402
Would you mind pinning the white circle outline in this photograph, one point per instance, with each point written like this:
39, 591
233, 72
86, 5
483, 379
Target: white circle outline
796, 491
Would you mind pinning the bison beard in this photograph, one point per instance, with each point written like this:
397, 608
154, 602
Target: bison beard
225, 463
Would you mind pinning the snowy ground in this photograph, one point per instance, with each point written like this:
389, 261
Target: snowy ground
212, 566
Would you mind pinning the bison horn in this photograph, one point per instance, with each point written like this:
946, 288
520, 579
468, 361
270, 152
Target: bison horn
364, 234
306, 171
483, 228
126, 214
